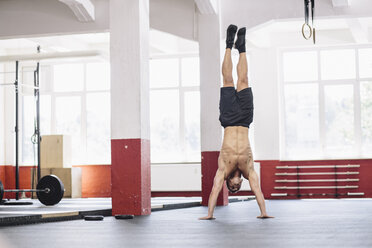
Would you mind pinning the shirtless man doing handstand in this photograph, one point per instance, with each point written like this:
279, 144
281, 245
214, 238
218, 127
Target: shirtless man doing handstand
236, 114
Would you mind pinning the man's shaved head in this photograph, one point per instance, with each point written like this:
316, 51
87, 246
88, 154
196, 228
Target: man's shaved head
234, 184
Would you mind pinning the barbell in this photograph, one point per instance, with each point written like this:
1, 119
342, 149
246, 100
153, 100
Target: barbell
49, 190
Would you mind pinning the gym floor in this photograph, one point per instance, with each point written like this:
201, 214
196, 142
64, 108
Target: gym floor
17, 213
297, 223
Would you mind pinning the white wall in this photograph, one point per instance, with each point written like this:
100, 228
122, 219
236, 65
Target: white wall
176, 177
264, 83
184, 177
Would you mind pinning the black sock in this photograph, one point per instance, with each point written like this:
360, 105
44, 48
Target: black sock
230, 36
240, 41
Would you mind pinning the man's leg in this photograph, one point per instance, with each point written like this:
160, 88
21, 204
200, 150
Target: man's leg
228, 80
227, 61
242, 70
242, 67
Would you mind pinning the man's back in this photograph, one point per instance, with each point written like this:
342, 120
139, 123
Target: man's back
236, 151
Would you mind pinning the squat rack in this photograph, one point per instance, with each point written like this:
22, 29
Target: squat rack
36, 138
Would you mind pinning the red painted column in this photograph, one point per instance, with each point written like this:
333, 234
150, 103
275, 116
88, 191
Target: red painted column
130, 125
210, 83
131, 184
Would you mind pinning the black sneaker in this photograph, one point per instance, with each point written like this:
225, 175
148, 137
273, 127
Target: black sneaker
240, 41
230, 35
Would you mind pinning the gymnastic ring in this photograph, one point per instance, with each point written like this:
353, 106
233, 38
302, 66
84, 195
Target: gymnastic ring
303, 31
34, 138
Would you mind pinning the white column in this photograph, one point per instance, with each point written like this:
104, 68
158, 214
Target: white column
129, 56
130, 129
210, 81
266, 108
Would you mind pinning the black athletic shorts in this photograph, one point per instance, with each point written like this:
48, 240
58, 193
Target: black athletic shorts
236, 108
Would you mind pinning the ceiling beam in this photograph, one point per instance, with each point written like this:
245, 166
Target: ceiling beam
207, 7
83, 9
360, 34
341, 3
60, 43
49, 56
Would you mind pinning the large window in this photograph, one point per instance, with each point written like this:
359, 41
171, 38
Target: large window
75, 101
327, 107
366, 115
175, 110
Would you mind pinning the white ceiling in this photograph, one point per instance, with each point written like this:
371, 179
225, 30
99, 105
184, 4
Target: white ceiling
160, 43
275, 33
329, 31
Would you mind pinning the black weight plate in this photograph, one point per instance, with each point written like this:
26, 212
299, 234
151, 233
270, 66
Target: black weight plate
56, 187
93, 217
1, 191
124, 217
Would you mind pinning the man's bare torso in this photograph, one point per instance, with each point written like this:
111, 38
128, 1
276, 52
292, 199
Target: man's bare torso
236, 153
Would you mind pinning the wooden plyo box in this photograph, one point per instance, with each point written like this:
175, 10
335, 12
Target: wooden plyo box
55, 151
70, 177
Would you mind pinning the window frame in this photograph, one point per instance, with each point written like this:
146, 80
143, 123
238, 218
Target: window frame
182, 90
54, 95
355, 82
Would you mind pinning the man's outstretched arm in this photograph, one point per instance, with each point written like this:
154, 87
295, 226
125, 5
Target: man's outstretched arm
255, 187
217, 186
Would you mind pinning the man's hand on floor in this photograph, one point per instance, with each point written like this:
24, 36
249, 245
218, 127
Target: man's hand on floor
207, 218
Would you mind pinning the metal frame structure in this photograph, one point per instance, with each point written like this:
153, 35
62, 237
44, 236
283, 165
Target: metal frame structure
17, 85
36, 137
